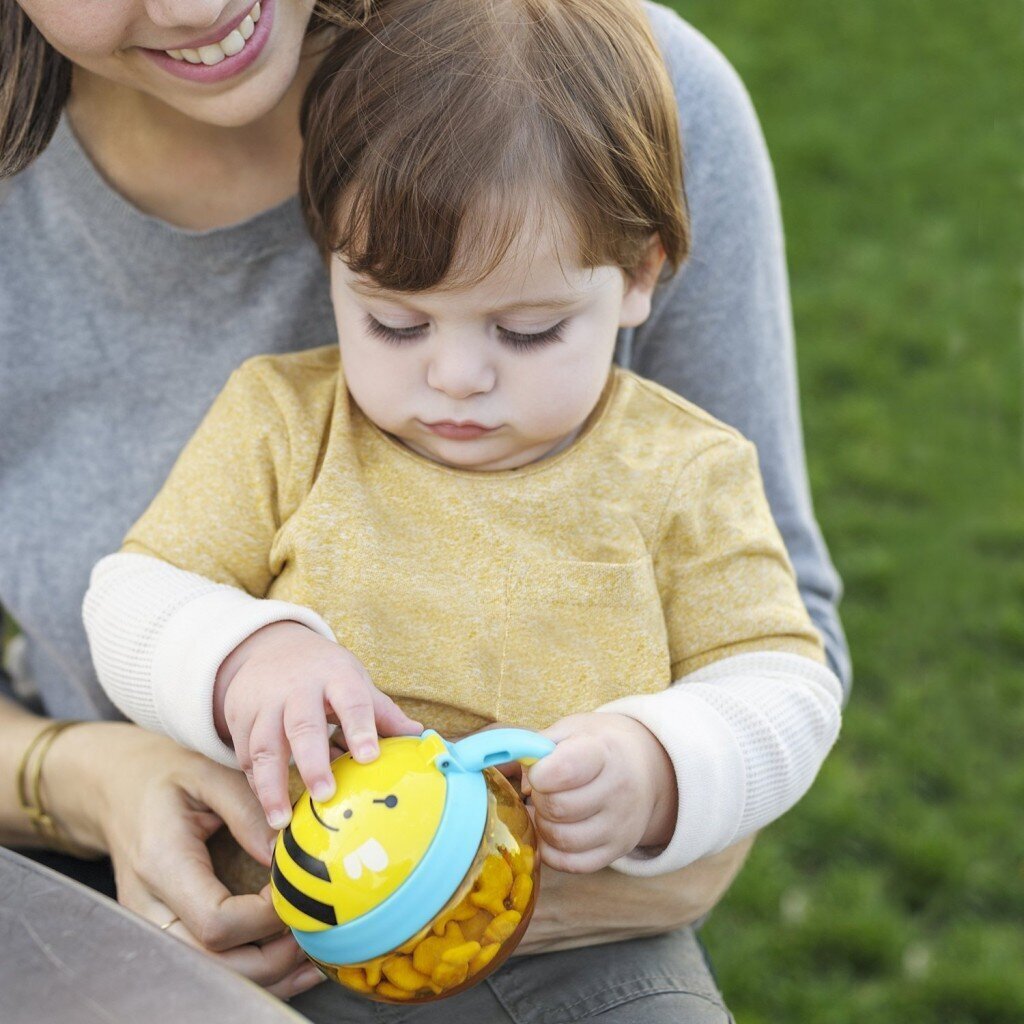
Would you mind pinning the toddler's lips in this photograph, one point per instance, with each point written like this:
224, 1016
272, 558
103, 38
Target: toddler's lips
458, 431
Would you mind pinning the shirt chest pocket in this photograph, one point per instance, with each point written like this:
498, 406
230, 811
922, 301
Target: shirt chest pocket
579, 634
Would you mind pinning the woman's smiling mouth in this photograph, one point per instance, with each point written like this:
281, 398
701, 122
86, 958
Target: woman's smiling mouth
227, 52
213, 51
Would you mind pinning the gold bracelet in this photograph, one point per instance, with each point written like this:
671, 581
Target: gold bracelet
30, 795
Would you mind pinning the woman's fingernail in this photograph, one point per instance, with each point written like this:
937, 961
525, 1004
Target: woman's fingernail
365, 751
278, 819
323, 790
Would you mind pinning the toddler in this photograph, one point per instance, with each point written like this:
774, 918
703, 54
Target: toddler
463, 508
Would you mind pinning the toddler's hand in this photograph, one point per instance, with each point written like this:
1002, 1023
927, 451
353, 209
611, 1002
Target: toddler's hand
607, 788
277, 691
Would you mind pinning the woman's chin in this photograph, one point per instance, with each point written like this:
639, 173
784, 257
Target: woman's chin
242, 104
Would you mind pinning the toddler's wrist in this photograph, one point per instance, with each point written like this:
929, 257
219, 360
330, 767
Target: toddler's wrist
661, 823
230, 666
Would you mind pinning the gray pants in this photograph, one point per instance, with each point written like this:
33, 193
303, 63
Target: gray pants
644, 981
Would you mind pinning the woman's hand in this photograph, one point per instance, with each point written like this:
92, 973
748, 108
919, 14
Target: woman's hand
152, 805
607, 788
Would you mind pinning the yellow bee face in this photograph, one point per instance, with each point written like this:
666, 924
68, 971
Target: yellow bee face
339, 859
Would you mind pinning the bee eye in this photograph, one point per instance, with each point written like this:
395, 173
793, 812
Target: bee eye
348, 812
389, 801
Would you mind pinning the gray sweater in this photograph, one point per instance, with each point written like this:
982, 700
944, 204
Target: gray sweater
117, 330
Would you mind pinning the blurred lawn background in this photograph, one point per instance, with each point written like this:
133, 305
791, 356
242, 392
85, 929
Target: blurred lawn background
895, 891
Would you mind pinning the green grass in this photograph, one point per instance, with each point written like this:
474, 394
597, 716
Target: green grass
895, 891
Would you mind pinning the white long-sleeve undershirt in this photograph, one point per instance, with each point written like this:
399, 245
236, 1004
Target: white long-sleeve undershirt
746, 735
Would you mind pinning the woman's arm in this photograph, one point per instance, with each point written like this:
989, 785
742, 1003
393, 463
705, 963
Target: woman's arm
720, 332
18, 729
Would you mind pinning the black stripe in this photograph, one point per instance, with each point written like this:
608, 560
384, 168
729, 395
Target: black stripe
300, 901
306, 861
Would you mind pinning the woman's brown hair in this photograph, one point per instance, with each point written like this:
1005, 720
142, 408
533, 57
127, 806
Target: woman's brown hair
35, 79
34, 84
450, 117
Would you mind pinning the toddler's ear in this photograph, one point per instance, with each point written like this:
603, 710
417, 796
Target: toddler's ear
636, 302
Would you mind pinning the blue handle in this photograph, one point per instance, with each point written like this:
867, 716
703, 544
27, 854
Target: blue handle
496, 746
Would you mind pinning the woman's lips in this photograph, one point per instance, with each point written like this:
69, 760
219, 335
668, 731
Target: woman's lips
465, 431
229, 66
215, 34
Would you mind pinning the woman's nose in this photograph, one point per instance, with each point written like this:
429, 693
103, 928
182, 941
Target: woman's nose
186, 13
460, 373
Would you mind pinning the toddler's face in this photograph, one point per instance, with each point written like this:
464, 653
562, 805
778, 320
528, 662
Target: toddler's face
492, 376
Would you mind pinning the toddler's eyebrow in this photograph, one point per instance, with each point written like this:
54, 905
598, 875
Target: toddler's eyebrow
555, 302
552, 303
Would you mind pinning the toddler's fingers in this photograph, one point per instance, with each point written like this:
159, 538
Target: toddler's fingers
352, 701
268, 752
305, 725
575, 863
391, 719
570, 805
575, 762
578, 837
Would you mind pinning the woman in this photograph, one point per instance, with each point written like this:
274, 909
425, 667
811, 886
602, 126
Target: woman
159, 220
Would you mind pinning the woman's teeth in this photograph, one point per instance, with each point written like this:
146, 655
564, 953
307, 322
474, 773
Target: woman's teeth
231, 44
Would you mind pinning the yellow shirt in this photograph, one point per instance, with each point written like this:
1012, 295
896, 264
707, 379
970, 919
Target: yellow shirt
636, 555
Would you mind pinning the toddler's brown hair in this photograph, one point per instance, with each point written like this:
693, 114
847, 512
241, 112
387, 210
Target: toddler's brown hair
442, 122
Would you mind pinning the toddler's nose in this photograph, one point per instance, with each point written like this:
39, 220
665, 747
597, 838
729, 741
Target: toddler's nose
459, 373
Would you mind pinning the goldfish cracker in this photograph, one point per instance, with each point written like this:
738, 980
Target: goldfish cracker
521, 860
476, 925
522, 888
461, 954
373, 971
464, 911
428, 955
493, 885
431, 950
353, 977
502, 926
390, 991
399, 970
450, 975
484, 957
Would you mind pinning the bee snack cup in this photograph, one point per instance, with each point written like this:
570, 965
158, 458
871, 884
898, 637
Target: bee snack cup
419, 876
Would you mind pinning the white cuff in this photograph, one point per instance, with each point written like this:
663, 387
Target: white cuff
190, 651
746, 737
159, 634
